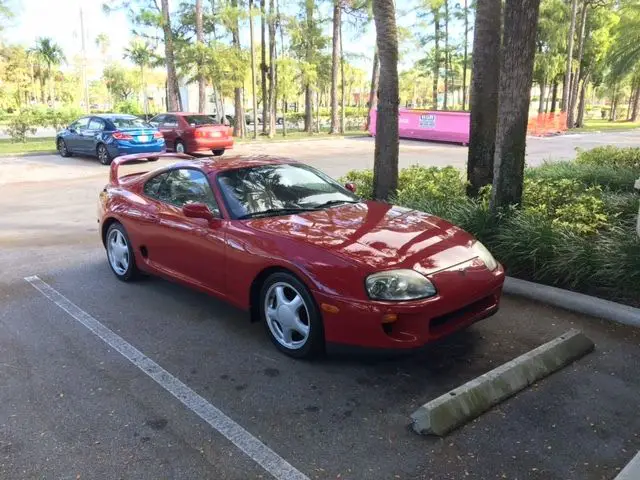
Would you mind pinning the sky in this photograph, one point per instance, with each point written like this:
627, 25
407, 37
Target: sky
47, 18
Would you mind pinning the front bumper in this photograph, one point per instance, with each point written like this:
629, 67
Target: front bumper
462, 299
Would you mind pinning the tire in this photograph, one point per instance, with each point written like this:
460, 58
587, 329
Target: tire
218, 153
180, 148
283, 288
121, 260
103, 154
62, 148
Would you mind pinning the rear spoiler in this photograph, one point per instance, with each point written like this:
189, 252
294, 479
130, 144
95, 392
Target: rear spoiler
140, 158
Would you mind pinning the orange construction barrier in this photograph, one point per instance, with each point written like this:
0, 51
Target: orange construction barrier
544, 124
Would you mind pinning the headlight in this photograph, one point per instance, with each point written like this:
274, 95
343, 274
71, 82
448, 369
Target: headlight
485, 255
399, 285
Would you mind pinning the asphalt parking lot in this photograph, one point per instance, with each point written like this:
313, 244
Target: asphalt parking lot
72, 407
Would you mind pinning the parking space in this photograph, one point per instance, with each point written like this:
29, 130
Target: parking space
73, 407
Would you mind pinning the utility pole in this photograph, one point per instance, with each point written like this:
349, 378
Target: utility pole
84, 64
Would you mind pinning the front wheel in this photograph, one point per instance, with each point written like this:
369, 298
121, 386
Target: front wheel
103, 154
63, 150
217, 153
291, 317
120, 253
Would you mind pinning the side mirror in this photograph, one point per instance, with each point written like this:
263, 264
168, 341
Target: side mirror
197, 210
350, 186
71, 129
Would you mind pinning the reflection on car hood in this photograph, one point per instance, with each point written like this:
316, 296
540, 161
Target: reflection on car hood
379, 235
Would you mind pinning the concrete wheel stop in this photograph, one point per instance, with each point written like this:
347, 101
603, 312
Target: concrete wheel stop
460, 405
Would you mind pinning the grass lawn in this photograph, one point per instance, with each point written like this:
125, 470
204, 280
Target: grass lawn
604, 125
32, 145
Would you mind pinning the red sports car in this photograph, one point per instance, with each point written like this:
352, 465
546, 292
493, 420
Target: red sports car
193, 132
302, 253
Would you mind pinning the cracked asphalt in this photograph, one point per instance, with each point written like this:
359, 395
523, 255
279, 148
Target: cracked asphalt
72, 407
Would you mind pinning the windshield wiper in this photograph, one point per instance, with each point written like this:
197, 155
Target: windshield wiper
275, 211
331, 203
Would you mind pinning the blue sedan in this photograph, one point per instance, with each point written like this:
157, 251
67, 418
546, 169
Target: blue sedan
108, 136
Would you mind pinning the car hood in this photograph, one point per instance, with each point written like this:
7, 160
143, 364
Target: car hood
377, 235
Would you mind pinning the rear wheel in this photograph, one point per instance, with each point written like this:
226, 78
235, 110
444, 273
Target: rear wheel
217, 153
103, 154
291, 316
62, 148
120, 253
180, 148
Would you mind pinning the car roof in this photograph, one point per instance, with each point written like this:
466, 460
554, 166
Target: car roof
109, 116
184, 114
213, 165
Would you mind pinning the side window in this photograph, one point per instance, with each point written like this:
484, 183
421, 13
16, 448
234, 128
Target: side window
187, 185
170, 121
96, 124
156, 187
157, 120
81, 124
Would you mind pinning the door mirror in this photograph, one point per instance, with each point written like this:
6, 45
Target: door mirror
197, 210
350, 186
71, 129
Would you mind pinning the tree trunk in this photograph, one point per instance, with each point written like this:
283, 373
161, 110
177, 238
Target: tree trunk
574, 86
567, 73
542, 93
308, 92
239, 122
385, 164
636, 102
263, 67
466, 55
446, 55
174, 102
484, 94
335, 59
253, 73
436, 59
554, 97
373, 92
614, 103
581, 106
342, 91
202, 85
516, 73
272, 70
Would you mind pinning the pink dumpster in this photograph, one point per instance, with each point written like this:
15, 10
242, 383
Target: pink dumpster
430, 125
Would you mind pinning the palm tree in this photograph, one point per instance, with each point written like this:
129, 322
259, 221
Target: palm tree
385, 166
335, 59
51, 54
140, 54
174, 102
567, 74
239, 125
516, 76
373, 91
103, 43
484, 94
202, 94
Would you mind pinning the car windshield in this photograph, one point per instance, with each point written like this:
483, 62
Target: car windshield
196, 120
279, 189
129, 122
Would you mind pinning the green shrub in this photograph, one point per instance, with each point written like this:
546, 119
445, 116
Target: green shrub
416, 183
61, 118
128, 106
609, 177
611, 156
20, 124
363, 180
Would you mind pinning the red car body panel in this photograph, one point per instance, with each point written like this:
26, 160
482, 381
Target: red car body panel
332, 251
197, 139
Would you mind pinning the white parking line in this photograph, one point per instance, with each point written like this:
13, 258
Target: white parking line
241, 438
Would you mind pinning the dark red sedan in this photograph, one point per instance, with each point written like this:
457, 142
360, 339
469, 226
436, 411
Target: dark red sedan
302, 253
193, 133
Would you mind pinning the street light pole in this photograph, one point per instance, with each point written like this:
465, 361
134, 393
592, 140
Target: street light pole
84, 64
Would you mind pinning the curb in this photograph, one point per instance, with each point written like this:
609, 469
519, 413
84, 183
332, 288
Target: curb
575, 302
631, 471
456, 407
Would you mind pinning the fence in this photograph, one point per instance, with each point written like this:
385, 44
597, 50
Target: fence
544, 124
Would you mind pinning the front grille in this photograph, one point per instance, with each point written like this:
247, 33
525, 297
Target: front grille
475, 307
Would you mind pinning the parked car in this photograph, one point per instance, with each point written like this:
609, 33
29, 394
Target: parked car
107, 136
193, 132
305, 255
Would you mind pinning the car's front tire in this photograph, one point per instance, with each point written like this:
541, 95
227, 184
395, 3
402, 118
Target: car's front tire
180, 148
103, 154
217, 153
120, 253
291, 316
63, 150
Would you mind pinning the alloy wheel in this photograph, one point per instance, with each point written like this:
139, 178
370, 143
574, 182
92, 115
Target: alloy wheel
118, 252
287, 315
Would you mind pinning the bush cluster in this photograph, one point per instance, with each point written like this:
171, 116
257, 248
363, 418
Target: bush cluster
575, 228
27, 120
